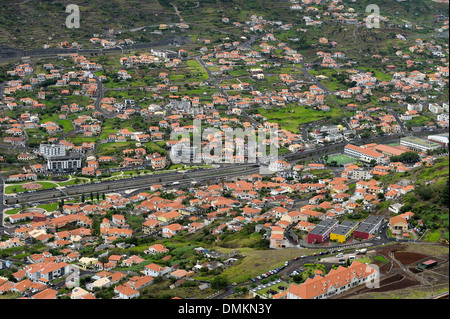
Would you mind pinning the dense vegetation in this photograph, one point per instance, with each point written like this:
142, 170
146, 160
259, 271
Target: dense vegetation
430, 201
407, 157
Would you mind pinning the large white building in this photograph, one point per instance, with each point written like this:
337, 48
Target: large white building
435, 108
46, 271
365, 154
64, 164
182, 153
52, 150
418, 144
440, 138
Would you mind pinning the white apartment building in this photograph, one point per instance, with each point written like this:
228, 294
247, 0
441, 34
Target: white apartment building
52, 150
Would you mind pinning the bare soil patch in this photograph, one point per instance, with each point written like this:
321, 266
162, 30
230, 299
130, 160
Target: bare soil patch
31, 186
407, 258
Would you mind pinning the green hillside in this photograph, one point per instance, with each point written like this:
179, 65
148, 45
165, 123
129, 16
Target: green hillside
429, 201
31, 24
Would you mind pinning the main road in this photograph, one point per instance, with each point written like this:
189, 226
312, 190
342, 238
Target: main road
8, 54
2, 205
229, 170
167, 179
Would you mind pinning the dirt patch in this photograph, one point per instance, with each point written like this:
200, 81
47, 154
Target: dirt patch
385, 268
407, 258
31, 186
394, 282
414, 270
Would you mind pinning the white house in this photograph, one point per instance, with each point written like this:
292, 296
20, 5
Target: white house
155, 270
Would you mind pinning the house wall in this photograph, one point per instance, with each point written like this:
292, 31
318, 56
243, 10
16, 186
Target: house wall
313, 237
362, 235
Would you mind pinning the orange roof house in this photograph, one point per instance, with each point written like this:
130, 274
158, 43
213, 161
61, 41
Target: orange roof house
335, 282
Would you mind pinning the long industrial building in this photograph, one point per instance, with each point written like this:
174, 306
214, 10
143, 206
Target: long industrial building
368, 227
418, 144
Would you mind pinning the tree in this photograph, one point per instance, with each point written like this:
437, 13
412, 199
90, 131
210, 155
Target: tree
61, 204
407, 157
103, 259
333, 163
219, 282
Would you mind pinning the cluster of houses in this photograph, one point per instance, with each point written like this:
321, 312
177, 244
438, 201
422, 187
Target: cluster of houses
197, 208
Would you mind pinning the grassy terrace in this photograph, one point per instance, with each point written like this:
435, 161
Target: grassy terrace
257, 262
65, 124
16, 27
291, 117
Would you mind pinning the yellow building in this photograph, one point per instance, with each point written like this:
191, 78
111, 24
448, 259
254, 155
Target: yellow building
398, 225
169, 217
344, 231
86, 262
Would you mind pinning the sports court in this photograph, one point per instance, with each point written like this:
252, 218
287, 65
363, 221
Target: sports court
341, 159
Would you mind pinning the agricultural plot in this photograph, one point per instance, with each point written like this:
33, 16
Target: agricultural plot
289, 118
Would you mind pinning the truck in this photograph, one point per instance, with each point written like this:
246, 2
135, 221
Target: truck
361, 251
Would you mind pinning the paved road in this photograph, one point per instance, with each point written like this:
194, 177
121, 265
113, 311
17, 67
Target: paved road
100, 94
166, 179
2, 205
297, 262
399, 121
201, 174
8, 54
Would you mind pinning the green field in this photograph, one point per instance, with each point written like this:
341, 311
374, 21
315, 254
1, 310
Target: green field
257, 261
17, 188
66, 124
341, 159
197, 70
289, 118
